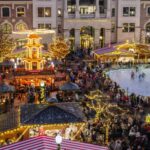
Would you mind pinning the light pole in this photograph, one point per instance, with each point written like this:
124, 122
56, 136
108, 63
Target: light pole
147, 37
58, 140
101, 41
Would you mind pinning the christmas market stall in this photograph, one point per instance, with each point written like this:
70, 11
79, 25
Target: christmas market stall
43, 119
124, 52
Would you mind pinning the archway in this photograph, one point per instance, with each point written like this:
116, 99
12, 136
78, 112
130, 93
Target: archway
87, 36
21, 26
6, 28
72, 38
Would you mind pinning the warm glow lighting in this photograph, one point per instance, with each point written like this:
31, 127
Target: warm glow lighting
36, 31
42, 84
147, 120
100, 37
15, 66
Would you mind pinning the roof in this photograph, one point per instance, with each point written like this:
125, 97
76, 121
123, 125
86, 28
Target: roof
51, 114
48, 143
104, 50
34, 36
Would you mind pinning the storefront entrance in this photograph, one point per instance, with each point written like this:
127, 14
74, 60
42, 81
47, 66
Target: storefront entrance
87, 37
86, 41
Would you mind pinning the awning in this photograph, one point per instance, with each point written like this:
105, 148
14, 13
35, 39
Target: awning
108, 49
48, 143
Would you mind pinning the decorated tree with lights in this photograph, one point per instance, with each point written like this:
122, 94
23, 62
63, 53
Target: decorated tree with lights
58, 49
6, 45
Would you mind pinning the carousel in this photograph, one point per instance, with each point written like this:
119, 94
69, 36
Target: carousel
124, 52
35, 65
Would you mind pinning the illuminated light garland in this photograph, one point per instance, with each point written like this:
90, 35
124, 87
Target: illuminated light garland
147, 119
58, 49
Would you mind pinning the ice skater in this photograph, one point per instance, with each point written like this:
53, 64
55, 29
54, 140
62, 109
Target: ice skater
141, 76
136, 68
132, 75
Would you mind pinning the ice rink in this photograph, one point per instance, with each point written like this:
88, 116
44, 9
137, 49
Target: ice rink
136, 85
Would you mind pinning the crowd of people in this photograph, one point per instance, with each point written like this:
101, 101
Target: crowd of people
126, 131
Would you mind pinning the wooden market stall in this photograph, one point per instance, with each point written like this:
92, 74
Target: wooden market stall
47, 119
124, 52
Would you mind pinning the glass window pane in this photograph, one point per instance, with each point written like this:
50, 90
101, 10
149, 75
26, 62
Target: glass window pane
132, 11
5, 12
125, 27
47, 12
132, 27
125, 11
40, 12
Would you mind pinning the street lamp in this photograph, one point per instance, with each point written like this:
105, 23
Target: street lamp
58, 140
147, 38
101, 41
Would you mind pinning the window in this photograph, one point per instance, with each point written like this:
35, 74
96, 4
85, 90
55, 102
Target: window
132, 11
59, 28
148, 11
7, 28
20, 12
128, 27
148, 27
129, 11
59, 12
113, 12
125, 11
5, 12
131, 27
113, 27
44, 12
125, 27
44, 26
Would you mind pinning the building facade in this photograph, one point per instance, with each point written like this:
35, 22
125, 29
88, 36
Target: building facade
85, 23
145, 21
15, 16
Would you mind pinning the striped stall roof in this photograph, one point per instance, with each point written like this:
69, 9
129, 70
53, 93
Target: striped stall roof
48, 143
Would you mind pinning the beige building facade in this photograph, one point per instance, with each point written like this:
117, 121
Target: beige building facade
85, 23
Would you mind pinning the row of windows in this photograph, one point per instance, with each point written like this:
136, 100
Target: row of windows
6, 12
20, 12
128, 27
129, 11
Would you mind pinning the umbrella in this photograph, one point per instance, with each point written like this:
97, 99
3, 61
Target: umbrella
69, 86
4, 88
52, 100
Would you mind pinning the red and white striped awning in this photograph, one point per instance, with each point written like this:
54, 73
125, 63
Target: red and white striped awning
48, 143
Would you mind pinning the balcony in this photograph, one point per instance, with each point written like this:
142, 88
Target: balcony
87, 16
